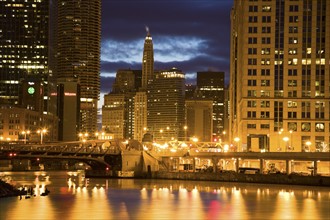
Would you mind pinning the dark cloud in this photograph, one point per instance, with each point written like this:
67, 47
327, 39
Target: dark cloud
203, 24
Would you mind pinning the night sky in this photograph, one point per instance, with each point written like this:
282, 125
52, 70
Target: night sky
191, 35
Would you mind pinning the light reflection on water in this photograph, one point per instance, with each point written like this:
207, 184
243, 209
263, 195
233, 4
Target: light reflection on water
69, 198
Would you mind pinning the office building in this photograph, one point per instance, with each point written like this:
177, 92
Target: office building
147, 61
68, 100
140, 103
211, 85
24, 46
199, 121
280, 55
26, 80
113, 115
166, 110
118, 112
77, 53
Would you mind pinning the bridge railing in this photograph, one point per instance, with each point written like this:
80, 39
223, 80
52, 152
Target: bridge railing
60, 149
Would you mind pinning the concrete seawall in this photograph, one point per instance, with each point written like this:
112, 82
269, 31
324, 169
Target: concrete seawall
246, 178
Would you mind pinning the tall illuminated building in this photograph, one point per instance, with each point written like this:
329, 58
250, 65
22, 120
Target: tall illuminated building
140, 99
279, 83
147, 60
26, 81
211, 85
24, 46
77, 52
166, 105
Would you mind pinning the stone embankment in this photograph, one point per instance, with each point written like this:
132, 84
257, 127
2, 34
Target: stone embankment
7, 190
246, 178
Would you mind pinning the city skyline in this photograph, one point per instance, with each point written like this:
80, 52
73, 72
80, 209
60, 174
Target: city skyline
185, 33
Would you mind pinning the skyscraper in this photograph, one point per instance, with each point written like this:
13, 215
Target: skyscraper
280, 54
166, 100
24, 46
147, 60
199, 122
211, 85
77, 52
25, 76
140, 99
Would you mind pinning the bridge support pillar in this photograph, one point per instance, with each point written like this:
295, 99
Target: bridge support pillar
215, 163
237, 164
287, 167
314, 168
261, 167
194, 165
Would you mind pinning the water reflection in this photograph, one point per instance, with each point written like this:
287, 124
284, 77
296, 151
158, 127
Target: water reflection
72, 196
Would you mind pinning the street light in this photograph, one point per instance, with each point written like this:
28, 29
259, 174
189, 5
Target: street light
286, 139
236, 139
185, 132
291, 148
308, 144
25, 133
41, 132
224, 136
161, 133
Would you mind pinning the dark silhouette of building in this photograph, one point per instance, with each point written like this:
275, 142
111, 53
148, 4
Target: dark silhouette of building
211, 85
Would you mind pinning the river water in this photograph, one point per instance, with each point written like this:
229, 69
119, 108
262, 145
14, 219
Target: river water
74, 197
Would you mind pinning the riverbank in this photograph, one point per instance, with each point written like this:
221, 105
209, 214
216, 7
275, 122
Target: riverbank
246, 178
276, 178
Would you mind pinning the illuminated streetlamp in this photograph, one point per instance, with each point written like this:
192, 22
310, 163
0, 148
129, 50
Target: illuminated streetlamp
224, 136
80, 136
308, 144
236, 139
185, 132
286, 139
195, 139
161, 133
41, 132
25, 133
291, 148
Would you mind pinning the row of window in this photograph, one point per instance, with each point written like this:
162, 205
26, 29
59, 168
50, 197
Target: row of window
292, 126
290, 83
319, 106
291, 72
291, 61
267, 40
306, 52
305, 93
291, 115
254, 30
268, 8
267, 19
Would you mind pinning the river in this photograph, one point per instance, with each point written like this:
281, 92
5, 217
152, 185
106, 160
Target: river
74, 197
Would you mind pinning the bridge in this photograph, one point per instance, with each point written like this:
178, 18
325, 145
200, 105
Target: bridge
97, 154
120, 155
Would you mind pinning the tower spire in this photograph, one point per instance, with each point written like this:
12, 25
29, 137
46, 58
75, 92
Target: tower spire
147, 60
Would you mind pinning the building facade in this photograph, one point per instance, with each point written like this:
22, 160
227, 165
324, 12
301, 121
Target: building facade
26, 80
166, 110
199, 121
212, 86
24, 46
140, 103
77, 53
279, 77
113, 115
68, 100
